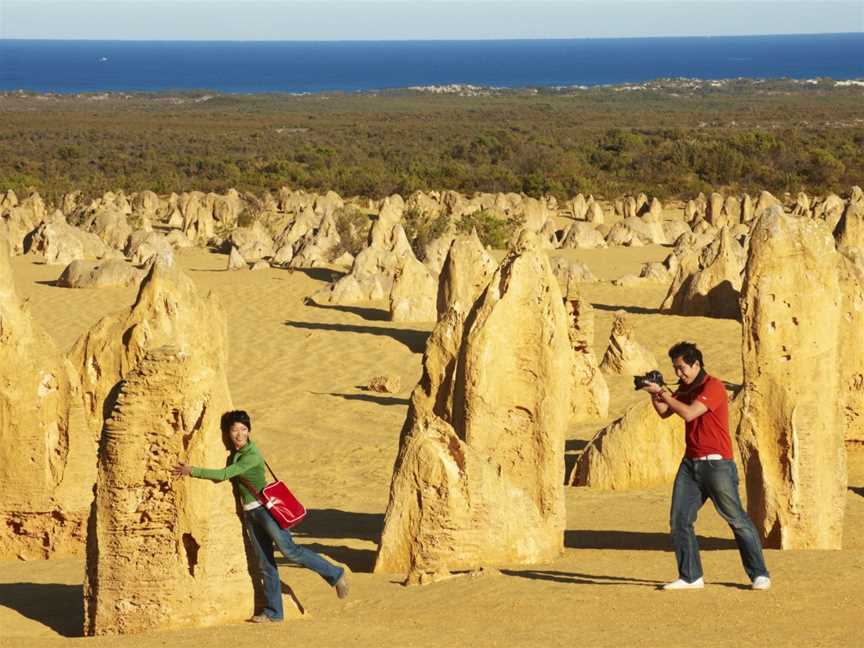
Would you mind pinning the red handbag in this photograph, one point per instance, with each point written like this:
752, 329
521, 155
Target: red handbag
278, 499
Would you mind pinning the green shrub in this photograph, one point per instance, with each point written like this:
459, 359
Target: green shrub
421, 229
246, 218
353, 228
493, 232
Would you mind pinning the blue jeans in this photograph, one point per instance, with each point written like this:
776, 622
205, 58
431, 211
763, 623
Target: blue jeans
263, 534
695, 482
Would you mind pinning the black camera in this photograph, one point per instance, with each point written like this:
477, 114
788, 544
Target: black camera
652, 376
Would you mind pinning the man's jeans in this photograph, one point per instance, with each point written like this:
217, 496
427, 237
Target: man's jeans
718, 480
263, 533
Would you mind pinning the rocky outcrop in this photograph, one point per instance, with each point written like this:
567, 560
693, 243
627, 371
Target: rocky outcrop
635, 231
570, 274
712, 290
197, 217
384, 384
165, 553
590, 393
478, 478
143, 246
639, 450
109, 223
20, 217
42, 500
60, 243
852, 357
583, 235
468, 268
849, 231
253, 243
167, 311
100, 274
765, 202
792, 435
830, 209
236, 260
375, 267
414, 294
318, 246
625, 356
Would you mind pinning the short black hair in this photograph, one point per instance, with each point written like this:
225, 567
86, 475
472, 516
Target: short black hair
688, 352
235, 416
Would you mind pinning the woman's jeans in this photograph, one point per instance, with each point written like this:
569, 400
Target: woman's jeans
263, 533
718, 480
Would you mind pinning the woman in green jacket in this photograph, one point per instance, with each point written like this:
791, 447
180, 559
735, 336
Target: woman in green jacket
246, 461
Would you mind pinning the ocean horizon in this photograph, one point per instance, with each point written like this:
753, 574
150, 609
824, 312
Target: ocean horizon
66, 66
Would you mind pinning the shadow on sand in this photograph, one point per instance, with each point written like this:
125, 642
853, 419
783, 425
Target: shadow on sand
322, 524
414, 340
369, 314
359, 561
319, 274
372, 398
636, 310
59, 607
580, 579
572, 578
635, 540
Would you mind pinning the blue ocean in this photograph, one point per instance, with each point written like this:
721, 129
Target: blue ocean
262, 66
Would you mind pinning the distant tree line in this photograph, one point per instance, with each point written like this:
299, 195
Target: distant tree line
605, 144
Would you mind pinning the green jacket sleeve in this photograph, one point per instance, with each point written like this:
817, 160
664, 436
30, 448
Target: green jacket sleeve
245, 463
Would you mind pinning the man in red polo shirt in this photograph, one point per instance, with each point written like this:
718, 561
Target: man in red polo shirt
707, 470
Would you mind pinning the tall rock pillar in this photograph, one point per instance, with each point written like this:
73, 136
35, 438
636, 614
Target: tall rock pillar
479, 475
792, 428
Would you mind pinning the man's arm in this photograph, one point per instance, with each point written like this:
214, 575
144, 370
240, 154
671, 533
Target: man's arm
659, 405
665, 404
688, 412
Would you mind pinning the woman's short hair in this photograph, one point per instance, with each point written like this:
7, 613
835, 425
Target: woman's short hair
235, 416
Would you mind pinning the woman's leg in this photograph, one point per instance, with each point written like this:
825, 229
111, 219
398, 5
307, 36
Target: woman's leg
300, 555
260, 538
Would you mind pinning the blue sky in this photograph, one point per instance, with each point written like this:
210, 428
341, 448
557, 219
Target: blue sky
414, 19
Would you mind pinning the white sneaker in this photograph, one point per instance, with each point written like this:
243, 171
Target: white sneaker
681, 584
761, 583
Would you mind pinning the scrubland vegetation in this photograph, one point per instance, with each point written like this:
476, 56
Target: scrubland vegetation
780, 137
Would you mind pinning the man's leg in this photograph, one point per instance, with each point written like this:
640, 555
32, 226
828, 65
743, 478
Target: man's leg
687, 499
720, 478
260, 539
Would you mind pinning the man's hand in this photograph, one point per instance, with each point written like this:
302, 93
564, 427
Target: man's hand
182, 470
651, 387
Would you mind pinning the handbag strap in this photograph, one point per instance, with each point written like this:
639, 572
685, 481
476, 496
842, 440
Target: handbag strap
272, 474
252, 489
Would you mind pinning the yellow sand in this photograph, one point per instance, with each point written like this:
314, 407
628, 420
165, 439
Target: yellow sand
297, 369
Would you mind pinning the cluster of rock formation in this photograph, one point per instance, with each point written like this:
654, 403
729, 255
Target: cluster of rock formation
297, 229
142, 389
479, 475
